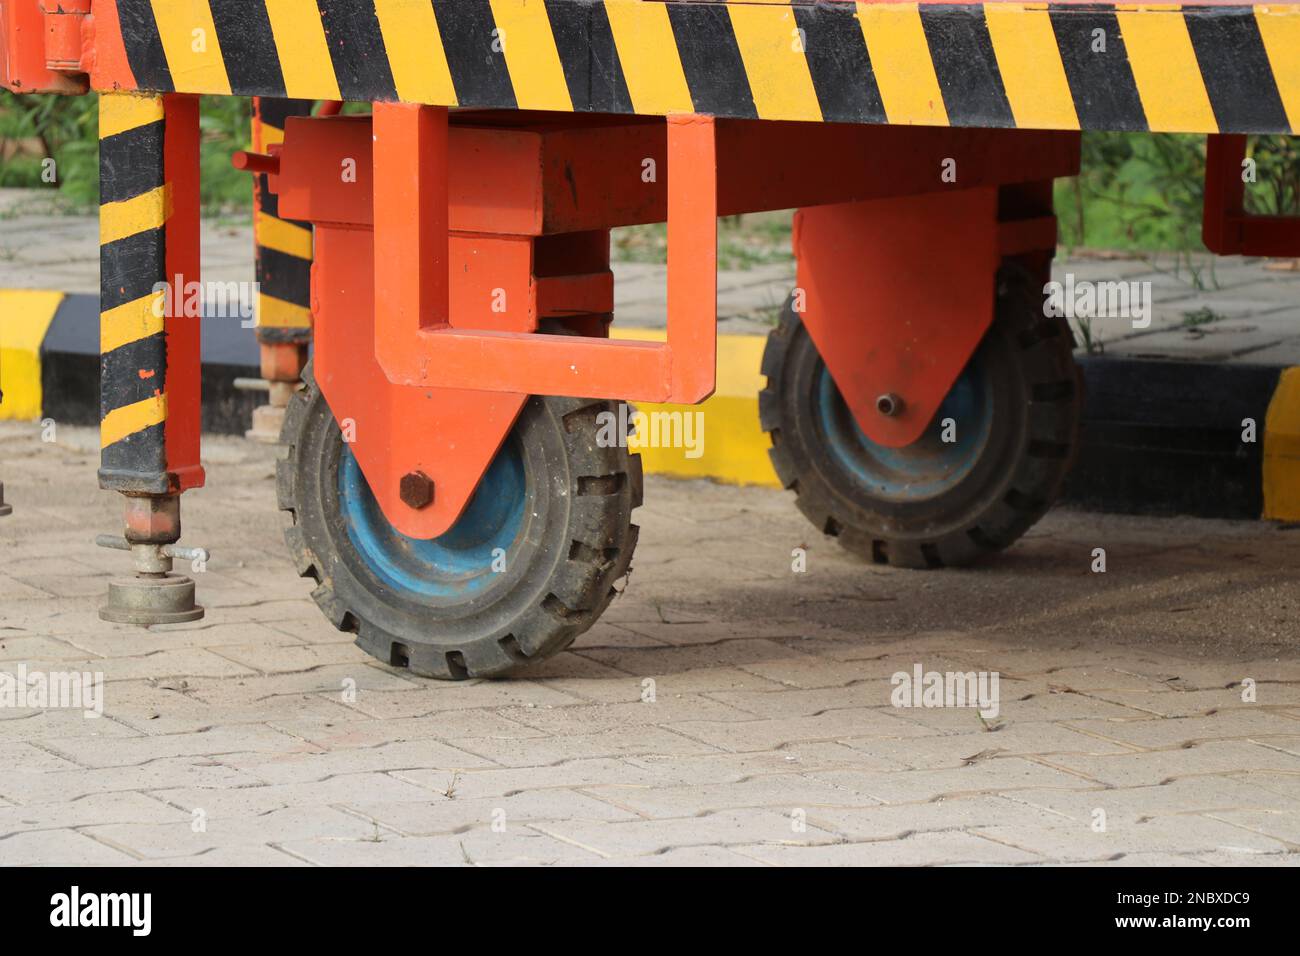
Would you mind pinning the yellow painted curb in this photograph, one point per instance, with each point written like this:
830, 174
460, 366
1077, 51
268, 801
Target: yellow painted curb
1282, 450
733, 446
25, 317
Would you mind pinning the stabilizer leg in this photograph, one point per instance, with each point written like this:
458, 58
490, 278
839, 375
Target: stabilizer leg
149, 343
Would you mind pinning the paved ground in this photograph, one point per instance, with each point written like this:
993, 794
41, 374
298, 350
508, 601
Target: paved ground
1214, 310
262, 736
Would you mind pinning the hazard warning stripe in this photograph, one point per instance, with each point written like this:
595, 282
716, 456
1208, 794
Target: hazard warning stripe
1062, 66
283, 253
134, 208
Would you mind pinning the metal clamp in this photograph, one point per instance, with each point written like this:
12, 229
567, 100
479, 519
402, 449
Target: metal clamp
153, 559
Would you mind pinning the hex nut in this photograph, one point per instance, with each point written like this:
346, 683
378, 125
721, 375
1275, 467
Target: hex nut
416, 490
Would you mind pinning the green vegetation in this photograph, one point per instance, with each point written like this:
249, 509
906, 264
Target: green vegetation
743, 241
1201, 316
1137, 193
1143, 193
66, 128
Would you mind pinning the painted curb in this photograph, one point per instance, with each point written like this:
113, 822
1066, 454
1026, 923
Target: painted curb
25, 319
49, 346
1164, 437
1160, 437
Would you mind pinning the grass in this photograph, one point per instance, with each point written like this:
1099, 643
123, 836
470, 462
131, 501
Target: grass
67, 130
1090, 343
1143, 194
756, 239
1201, 316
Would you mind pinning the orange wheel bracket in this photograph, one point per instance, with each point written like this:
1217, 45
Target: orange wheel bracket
424, 389
416, 341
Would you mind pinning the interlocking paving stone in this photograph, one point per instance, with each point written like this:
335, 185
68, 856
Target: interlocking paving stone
1000, 775
58, 848
256, 798
19, 725
382, 758
443, 815
922, 849
140, 750
528, 751
938, 751
772, 699
518, 845
781, 791
1170, 834
93, 809
183, 839
1154, 767
27, 787
895, 821
1247, 722
726, 828
1210, 793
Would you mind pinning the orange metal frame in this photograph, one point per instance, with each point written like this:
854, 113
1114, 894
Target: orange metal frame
1226, 228
911, 336
426, 376
904, 314
38, 42
416, 343
424, 392
184, 266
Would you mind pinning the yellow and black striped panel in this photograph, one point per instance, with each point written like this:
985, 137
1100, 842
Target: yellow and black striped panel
999, 64
284, 246
135, 204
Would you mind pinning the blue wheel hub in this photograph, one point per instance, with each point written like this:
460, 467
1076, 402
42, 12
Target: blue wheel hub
929, 466
455, 565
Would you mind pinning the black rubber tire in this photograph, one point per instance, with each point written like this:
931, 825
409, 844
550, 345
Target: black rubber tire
1034, 433
578, 541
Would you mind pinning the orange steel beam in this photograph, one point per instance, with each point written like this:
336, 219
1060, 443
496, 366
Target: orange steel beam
411, 241
415, 341
184, 267
510, 171
41, 46
1226, 228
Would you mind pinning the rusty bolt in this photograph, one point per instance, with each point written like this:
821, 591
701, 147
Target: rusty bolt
416, 490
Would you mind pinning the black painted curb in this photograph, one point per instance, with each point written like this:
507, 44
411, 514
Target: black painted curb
1165, 438
1159, 437
70, 368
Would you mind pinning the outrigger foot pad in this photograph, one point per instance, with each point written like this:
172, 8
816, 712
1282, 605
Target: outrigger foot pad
4, 508
154, 595
268, 422
154, 599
